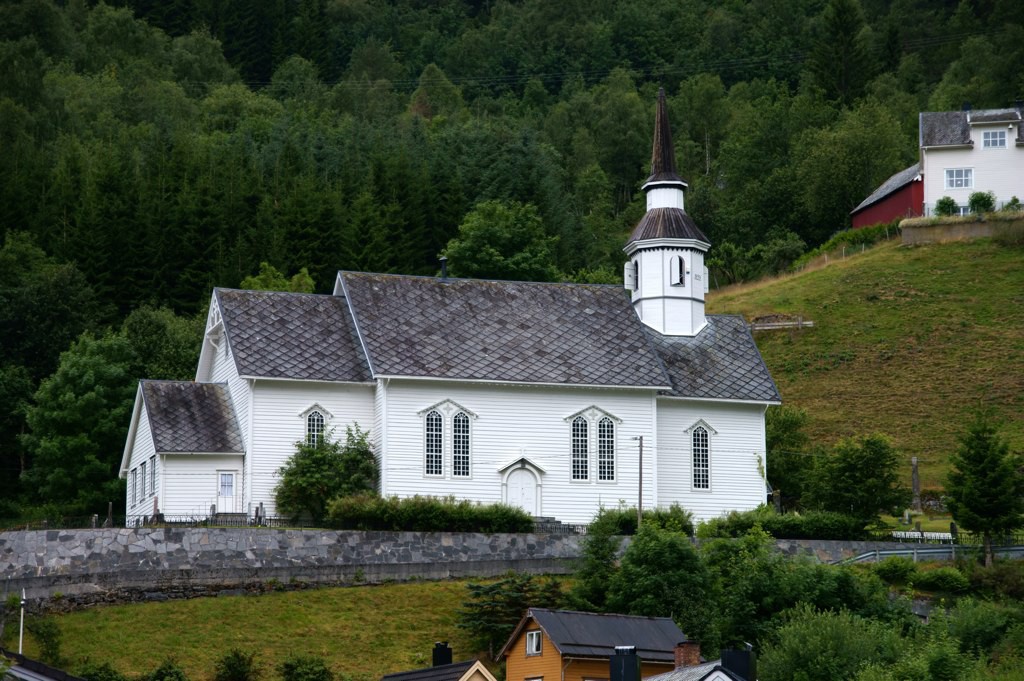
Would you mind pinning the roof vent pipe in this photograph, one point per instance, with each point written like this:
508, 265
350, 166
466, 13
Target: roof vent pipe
444, 267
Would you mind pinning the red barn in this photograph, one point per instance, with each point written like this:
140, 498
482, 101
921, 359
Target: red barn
901, 196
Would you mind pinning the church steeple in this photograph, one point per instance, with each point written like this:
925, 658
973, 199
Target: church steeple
666, 270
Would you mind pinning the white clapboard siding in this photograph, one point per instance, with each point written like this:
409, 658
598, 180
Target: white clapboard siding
190, 483
512, 422
737, 456
1000, 171
225, 371
142, 450
279, 411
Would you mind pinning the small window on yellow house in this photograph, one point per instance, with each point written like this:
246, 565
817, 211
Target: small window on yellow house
533, 642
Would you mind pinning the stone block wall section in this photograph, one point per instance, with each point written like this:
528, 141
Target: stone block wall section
916, 231
67, 569
110, 565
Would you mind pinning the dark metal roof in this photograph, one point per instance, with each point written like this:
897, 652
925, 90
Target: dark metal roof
591, 635
697, 672
443, 672
191, 417
950, 128
663, 155
292, 335
893, 184
570, 334
720, 362
667, 223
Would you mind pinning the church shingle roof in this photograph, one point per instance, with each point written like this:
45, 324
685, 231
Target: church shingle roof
720, 362
191, 417
666, 223
292, 335
569, 334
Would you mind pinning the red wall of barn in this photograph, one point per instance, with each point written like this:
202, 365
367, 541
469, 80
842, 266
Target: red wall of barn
903, 203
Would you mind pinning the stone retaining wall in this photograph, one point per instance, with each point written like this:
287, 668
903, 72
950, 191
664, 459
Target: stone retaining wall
66, 569
91, 565
956, 231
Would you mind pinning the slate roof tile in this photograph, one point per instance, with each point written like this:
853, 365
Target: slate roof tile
720, 362
572, 334
292, 335
191, 417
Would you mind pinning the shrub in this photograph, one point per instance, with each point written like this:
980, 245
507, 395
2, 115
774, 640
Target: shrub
425, 514
979, 625
305, 668
621, 520
945, 579
981, 202
1012, 204
101, 672
808, 525
47, 635
167, 671
896, 570
1004, 579
237, 666
946, 206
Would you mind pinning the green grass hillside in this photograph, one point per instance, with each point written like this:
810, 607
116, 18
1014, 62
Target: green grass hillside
907, 342
362, 632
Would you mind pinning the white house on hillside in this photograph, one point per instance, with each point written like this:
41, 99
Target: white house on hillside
531, 394
963, 152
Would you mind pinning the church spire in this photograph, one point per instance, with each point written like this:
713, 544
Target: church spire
663, 155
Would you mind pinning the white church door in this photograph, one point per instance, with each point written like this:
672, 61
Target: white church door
225, 491
522, 490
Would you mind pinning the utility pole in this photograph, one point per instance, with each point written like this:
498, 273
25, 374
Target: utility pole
640, 484
21, 628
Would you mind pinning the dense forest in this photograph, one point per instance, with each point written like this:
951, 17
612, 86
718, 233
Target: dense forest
154, 149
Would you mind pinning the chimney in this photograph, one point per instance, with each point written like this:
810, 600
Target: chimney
625, 664
444, 267
687, 654
442, 654
967, 106
742, 663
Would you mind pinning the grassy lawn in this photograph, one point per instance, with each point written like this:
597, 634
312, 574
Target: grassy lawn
363, 632
907, 342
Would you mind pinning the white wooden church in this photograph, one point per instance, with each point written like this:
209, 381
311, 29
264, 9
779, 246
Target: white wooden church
532, 394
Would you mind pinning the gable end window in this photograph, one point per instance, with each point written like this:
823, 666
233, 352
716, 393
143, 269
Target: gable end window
434, 463
314, 428
994, 139
701, 458
534, 642
152, 475
580, 449
957, 178
135, 486
142, 480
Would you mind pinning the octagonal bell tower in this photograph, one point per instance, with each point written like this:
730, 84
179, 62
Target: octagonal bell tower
665, 271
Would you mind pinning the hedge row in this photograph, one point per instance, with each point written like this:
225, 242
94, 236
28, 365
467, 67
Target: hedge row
808, 525
425, 514
622, 520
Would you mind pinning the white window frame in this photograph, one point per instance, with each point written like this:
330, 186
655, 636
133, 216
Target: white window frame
588, 444
965, 179
135, 486
606, 450
700, 473
433, 444
579, 463
152, 476
994, 139
233, 475
142, 480
677, 271
534, 642
448, 450
316, 427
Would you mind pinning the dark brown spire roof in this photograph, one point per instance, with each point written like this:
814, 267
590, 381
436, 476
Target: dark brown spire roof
667, 223
663, 157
